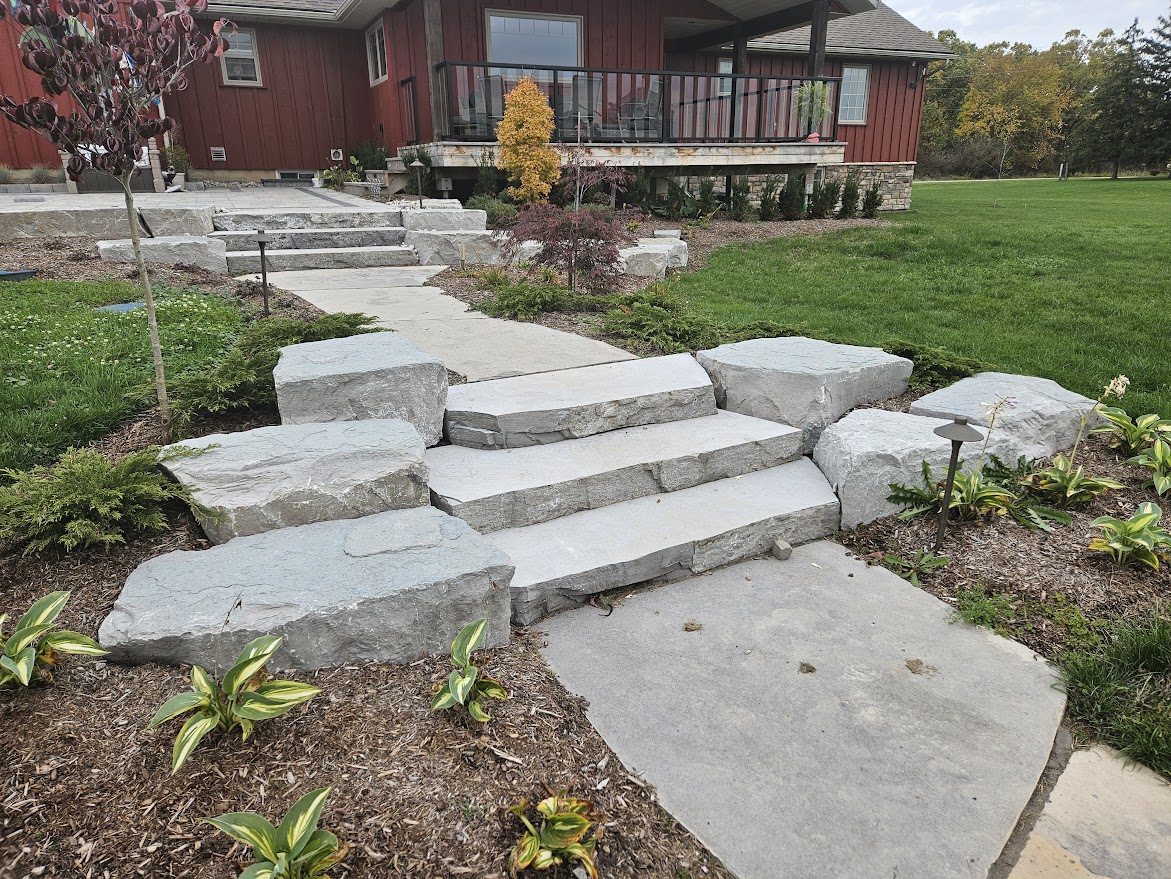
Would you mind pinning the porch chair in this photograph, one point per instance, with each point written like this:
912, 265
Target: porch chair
481, 111
584, 104
643, 119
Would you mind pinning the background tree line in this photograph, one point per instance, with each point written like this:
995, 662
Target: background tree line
1098, 104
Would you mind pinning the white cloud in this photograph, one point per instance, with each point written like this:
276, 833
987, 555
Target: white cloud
1040, 22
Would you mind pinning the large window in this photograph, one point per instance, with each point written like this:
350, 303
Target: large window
536, 40
376, 53
855, 95
240, 63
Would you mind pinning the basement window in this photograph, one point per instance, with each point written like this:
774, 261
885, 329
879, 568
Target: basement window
376, 53
240, 64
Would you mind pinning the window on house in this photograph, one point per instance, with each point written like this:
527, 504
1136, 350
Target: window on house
855, 95
240, 63
726, 82
536, 40
376, 53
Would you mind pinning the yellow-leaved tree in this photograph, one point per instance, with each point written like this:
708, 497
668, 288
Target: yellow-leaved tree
532, 165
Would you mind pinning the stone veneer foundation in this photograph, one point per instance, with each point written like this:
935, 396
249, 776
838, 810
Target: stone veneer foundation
895, 179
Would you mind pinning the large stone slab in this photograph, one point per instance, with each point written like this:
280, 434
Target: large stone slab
493, 490
173, 250
653, 257
801, 382
250, 221
192, 220
835, 723
1105, 817
100, 223
314, 239
869, 449
441, 220
387, 588
247, 261
1041, 419
280, 477
373, 375
559, 564
549, 407
452, 248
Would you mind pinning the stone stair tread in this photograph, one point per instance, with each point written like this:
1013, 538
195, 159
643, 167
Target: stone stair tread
497, 489
549, 407
307, 258
309, 251
561, 562
250, 221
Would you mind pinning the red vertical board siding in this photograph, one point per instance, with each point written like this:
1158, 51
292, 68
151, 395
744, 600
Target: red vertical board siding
19, 147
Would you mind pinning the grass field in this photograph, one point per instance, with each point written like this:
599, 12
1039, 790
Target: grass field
1067, 280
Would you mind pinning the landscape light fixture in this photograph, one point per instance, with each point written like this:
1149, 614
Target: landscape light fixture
959, 432
419, 166
262, 238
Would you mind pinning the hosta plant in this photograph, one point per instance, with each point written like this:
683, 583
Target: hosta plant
1138, 539
561, 839
32, 647
976, 495
1064, 485
913, 570
1131, 435
295, 850
1157, 459
244, 697
467, 685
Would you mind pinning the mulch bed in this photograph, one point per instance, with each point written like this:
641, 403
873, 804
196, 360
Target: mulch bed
1035, 568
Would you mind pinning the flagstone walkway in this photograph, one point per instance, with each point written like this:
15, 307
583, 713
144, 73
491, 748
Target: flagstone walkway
469, 342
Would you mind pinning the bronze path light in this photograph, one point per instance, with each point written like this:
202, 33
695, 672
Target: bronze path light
419, 166
263, 238
959, 432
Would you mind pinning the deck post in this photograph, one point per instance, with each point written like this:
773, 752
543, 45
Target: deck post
817, 37
739, 66
433, 36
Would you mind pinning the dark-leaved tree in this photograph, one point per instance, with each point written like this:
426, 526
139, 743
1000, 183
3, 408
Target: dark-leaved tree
582, 244
111, 64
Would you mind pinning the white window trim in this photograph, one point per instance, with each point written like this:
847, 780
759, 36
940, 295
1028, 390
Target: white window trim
866, 103
511, 13
374, 28
255, 57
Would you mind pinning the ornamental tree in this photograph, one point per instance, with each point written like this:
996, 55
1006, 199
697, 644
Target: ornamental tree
112, 69
532, 165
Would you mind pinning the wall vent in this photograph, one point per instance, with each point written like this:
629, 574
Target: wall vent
335, 155
219, 154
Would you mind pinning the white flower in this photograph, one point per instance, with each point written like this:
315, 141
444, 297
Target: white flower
1117, 387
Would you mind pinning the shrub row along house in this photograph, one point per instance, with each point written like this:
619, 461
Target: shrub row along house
679, 87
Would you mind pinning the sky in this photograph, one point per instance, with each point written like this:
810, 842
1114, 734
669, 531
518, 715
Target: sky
1039, 22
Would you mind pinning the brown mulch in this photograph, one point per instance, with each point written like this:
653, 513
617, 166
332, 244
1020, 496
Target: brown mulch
1042, 573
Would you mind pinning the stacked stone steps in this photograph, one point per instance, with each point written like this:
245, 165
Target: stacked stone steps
305, 239
250, 221
248, 261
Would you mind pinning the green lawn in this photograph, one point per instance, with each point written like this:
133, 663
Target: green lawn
69, 373
1067, 280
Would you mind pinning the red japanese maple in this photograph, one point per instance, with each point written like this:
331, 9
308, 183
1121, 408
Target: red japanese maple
115, 65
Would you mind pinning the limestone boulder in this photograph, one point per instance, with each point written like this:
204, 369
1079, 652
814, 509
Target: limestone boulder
386, 588
444, 220
452, 248
805, 383
100, 223
369, 376
192, 220
870, 449
280, 477
1039, 419
653, 257
171, 250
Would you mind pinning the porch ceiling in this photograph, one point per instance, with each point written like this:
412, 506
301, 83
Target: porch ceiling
748, 9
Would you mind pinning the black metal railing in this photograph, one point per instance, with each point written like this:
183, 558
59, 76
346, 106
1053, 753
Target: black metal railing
603, 105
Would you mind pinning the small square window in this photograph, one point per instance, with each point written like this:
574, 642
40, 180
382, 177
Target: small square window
240, 63
376, 53
726, 82
855, 95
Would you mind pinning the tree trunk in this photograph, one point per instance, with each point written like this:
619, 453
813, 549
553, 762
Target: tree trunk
1114, 170
156, 348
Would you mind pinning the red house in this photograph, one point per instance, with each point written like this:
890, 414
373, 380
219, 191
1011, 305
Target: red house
680, 87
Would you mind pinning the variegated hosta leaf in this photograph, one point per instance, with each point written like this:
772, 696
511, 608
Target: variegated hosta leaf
259, 870
189, 737
177, 705
564, 829
294, 833
255, 657
584, 853
467, 641
72, 642
443, 699
202, 682
290, 691
545, 859
524, 853
20, 666
321, 846
24, 636
491, 689
476, 711
253, 706
461, 685
44, 610
246, 727
250, 829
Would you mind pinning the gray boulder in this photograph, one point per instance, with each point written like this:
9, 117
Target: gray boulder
374, 375
387, 588
280, 477
449, 248
171, 250
869, 449
1041, 419
442, 220
192, 220
805, 383
653, 257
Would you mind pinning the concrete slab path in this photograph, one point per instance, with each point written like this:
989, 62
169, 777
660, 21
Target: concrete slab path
828, 719
468, 342
1105, 819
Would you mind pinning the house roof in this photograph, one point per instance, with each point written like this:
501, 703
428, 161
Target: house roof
881, 31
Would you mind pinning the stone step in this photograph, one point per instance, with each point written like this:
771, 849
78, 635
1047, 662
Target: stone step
511, 488
387, 588
559, 564
548, 407
243, 262
307, 239
250, 221
280, 477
